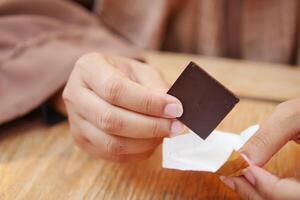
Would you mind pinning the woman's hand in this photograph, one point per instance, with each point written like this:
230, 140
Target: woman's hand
281, 127
258, 184
118, 108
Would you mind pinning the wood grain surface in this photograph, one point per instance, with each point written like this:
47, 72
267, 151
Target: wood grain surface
40, 162
264, 81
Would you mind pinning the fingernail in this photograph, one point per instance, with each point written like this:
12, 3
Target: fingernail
246, 158
249, 176
176, 128
228, 182
173, 110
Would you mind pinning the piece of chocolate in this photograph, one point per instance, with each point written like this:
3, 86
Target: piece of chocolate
205, 101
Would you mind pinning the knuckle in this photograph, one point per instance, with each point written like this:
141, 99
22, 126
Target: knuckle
114, 146
86, 65
110, 122
112, 89
155, 128
148, 103
260, 141
86, 58
81, 61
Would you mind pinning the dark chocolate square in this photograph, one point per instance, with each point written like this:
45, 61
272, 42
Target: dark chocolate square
205, 101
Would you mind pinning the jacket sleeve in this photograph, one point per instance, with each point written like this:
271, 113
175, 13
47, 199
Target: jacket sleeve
39, 44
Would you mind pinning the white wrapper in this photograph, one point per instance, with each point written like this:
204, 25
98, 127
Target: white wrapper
190, 152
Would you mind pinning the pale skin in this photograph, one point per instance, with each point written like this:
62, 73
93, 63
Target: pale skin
118, 110
257, 183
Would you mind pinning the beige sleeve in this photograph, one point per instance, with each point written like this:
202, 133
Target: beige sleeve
39, 44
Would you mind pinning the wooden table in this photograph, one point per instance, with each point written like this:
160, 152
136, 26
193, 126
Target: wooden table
38, 162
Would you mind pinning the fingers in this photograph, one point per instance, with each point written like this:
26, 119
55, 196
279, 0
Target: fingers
118, 90
92, 150
241, 186
113, 110
141, 73
257, 183
281, 127
150, 77
270, 186
116, 145
100, 143
117, 121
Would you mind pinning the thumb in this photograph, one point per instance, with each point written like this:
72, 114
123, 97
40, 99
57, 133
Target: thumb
270, 186
282, 126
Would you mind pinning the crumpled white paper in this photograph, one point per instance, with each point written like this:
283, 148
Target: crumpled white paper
190, 152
